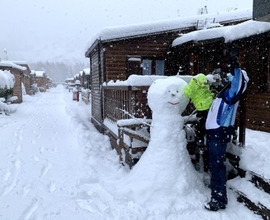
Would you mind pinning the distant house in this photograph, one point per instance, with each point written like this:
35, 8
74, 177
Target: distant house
49, 82
118, 52
71, 79
18, 72
41, 80
26, 77
86, 80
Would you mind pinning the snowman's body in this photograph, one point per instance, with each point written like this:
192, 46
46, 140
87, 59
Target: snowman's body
165, 167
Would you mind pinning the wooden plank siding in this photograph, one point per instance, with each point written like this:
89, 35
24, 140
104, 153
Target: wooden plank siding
151, 47
255, 60
97, 118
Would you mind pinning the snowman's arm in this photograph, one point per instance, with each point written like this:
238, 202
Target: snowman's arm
190, 118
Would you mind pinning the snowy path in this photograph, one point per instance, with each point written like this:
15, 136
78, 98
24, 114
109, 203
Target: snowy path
41, 161
55, 165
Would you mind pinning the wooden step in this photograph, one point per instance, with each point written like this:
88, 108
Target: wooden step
258, 208
259, 181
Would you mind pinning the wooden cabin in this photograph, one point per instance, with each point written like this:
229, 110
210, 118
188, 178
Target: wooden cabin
117, 53
26, 77
49, 82
18, 72
41, 80
86, 79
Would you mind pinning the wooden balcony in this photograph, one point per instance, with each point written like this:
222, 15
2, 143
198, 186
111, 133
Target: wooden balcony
125, 102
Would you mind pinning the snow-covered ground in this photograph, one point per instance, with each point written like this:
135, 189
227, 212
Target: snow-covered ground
54, 164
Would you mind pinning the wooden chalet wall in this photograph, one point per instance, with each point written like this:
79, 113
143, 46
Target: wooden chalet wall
255, 60
97, 73
151, 47
41, 82
26, 79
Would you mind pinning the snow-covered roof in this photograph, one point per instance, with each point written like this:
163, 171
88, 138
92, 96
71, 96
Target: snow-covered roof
87, 71
228, 33
111, 33
5, 63
40, 73
20, 62
69, 79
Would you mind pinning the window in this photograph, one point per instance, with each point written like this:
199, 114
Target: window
160, 67
133, 66
153, 67
147, 67
139, 66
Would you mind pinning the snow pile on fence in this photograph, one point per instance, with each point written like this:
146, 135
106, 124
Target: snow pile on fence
229, 33
138, 80
7, 80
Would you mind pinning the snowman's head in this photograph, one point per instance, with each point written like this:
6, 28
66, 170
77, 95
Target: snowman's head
167, 96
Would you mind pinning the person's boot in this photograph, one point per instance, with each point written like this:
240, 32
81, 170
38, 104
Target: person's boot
214, 206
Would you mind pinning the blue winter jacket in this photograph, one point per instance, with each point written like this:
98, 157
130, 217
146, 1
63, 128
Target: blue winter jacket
224, 107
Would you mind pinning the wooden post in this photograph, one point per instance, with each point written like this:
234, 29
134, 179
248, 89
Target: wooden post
121, 144
242, 121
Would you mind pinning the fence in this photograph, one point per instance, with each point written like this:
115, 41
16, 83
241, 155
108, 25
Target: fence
86, 95
124, 102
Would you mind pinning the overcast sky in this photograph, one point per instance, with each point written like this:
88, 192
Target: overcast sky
38, 30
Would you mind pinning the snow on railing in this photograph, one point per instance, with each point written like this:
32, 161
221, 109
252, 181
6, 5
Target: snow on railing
138, 80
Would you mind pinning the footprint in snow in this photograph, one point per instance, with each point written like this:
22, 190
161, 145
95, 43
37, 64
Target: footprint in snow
52, 187
46, 169
28, 214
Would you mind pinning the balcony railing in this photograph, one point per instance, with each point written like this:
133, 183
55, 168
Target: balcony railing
125, 102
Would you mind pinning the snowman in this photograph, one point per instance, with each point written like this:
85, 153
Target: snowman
164, 173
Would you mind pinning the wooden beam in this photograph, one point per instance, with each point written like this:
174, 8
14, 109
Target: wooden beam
242, 120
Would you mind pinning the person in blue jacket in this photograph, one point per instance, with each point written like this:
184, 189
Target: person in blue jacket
219, 126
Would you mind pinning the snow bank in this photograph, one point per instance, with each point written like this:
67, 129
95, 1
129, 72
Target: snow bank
7, 79
255, 155
229, 33
110, 33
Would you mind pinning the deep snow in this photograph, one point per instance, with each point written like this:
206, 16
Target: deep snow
54, 164
7, 79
